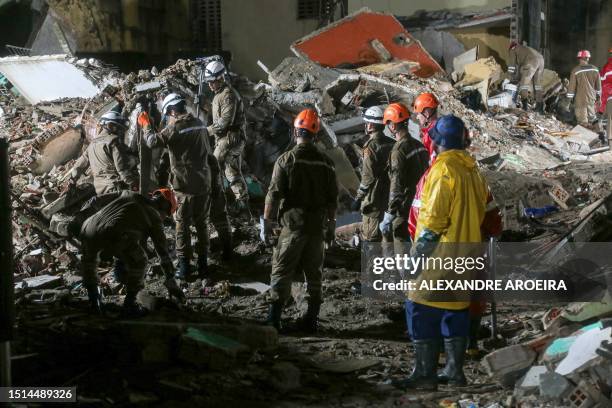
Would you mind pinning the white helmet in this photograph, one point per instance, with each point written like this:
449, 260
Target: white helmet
171, 100
214, 70
113, 117
374, 114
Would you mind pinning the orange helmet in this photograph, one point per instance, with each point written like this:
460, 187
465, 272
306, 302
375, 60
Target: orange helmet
425, 100
169, 196
308, 119
396, 113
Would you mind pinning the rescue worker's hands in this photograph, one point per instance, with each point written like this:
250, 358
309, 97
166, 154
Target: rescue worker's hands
173, 289
330, 231
356, 204
265, 230
144, 120
386, 225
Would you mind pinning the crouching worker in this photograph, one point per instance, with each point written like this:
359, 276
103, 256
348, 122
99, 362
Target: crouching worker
453, 205
119, 229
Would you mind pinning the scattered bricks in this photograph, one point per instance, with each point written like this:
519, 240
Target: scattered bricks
509, 363
560, 196
580, 396
530, 382
215, 351
285, 377
554, 386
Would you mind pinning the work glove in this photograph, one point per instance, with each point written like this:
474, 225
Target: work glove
330, 232
144, 120
173, 289
386, 225
356, 204
265, 230
95, 300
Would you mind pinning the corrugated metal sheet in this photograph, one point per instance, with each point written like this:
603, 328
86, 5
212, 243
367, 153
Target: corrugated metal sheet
46, 78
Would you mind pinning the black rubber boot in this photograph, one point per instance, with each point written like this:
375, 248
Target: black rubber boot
119, 271
274, 315
423, 376
95, 300
453, 374
184, 269
130, 307
203, 265
309, 323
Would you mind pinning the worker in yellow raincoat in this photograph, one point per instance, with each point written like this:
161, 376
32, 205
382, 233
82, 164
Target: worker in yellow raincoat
454, 201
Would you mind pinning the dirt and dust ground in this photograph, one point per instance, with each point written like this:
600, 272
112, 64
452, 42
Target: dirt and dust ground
59, 344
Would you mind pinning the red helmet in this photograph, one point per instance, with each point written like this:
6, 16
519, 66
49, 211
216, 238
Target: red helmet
583, 54
308, 119
169, 196
396, 113
424, 101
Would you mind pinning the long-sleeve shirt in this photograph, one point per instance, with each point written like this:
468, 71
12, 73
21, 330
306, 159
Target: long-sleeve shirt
374, 187
227, 112
606, 85
585, 84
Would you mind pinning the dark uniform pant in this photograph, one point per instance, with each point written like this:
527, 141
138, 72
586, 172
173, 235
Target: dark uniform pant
228, 152
427, 322
297, 250
192, 210
127, 248
218, 215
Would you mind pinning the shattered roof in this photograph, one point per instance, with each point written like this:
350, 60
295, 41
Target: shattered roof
444, 19
46, 78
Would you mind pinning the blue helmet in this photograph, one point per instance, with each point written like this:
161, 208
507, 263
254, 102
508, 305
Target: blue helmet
449, 132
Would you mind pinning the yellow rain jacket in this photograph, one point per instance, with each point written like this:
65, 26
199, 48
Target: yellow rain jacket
453, 204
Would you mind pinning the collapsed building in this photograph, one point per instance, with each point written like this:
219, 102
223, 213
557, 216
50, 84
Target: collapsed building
550, 179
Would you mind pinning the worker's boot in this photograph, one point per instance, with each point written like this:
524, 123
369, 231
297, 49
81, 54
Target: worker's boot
452, 374
424, 375
309, 322
95, 300
119, 270
184, 269
131, 308
274, 315
203, 265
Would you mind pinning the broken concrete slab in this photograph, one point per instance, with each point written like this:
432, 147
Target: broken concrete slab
348, 42
530, 382
484, 69
350, 125
40, 282
390, 69
58, 150
298, 75
554, 385
582, 139
72, 197
509, 363
461, 60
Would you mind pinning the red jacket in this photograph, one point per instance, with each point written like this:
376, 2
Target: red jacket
606, 85
427, 142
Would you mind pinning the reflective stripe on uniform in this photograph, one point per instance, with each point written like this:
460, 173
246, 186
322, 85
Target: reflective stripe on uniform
189, 129
511, 68
525, 87
607, 74
586, 70
416, 151
570, 95
416, 203
538, 87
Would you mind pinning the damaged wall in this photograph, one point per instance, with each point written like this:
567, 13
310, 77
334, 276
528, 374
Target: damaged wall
407, 8
266, 38
491, 41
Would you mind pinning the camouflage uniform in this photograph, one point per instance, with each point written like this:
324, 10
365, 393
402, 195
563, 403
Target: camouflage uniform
119, 228
227, 126
530, 64
409, 160
584, 88
110, 165
187, 144
374, 188
304, 184
218, 210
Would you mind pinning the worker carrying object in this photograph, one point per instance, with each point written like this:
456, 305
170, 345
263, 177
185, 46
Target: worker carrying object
373, 194
303, 195
585, 89
605, 106
527, 65
186, 139
108, 158
426, 108
120, 228
408, 161
454, 200
228, 122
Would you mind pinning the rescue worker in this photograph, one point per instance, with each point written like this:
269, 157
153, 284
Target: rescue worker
426, 108
454, 200
187, 142
218, 210
585, 89
119, 228
407, 162
227, 127
528, 65
605, 107
303, 195
373, 193
108, 158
